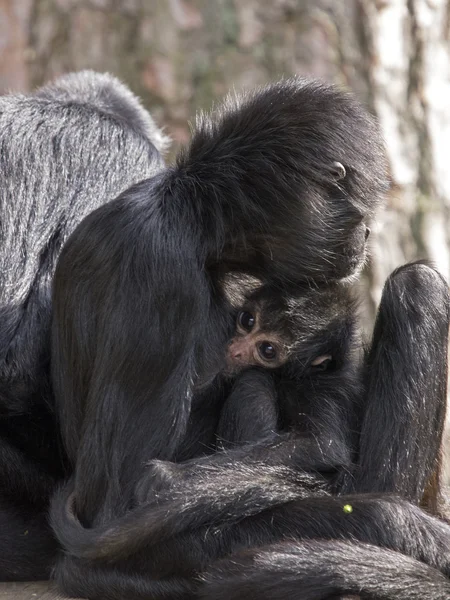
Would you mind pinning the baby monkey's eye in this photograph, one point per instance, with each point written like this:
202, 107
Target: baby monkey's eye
322, 363
246, 320
267, 351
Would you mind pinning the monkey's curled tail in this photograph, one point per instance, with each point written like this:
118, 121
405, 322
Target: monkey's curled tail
315, 569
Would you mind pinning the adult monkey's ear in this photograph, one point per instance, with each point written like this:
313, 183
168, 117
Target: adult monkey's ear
338, 170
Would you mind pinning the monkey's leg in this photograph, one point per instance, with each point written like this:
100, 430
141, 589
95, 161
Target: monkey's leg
401, 435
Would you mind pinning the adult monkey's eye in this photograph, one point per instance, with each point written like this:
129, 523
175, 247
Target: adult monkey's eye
267, 351
246, 320
338, 170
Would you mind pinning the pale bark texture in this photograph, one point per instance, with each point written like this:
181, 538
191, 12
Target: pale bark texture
181, 55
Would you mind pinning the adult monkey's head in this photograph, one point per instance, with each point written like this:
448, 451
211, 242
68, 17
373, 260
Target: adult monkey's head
289, 193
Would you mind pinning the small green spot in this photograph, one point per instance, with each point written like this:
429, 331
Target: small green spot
348, 508
25, 532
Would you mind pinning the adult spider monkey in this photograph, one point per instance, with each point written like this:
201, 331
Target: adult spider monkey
90, 139
141, 318
255, 192
65, 149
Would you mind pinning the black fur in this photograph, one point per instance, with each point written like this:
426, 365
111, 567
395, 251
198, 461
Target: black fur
170, 567
323, 569
140, 323
253, 193
326, 450
257, 193
407, 359
65, 150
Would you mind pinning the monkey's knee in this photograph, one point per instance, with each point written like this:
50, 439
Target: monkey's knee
418, 294
420, 281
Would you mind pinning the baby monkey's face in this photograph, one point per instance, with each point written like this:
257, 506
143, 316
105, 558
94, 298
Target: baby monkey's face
264, 336
253, 344
258, 341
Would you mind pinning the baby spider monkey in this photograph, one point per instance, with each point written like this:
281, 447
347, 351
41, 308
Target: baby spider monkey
264, 336
285, 353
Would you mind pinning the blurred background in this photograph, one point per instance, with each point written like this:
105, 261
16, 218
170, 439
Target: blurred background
182, 55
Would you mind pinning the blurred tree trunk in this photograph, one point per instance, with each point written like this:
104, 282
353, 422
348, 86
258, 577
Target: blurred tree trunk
180, 55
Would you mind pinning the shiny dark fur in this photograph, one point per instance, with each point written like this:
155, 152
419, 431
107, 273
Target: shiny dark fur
141, 320
140, 314
65, 150
278, 489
